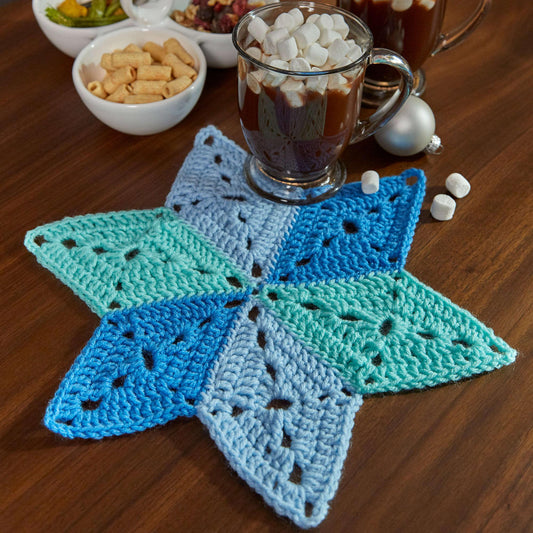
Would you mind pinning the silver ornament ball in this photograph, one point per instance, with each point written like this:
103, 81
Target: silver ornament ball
410, 131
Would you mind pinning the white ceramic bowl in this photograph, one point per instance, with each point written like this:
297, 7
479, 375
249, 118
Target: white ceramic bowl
69, 40
136, 119
217, 47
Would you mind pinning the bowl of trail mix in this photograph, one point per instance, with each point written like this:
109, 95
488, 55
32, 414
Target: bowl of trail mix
210, 23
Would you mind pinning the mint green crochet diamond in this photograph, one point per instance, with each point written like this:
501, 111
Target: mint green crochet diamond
122, 259
388, 332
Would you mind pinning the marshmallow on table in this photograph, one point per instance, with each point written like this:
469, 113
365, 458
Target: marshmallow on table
370, 182
442, 207
458, 185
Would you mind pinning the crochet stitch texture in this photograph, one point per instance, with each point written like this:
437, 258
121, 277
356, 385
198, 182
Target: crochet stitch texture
268, 322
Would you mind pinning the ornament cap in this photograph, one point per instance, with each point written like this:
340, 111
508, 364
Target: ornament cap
434, 146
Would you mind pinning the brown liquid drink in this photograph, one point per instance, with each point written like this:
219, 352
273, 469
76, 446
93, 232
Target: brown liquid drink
301, 70
300, 135
412, 32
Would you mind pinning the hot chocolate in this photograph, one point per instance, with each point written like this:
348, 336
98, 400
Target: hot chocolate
301, 69
301, 136
409, 27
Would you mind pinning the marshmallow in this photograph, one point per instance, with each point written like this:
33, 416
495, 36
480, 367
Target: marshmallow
337, 82
344, 62
279, 63
316, 55
270, 44
370, 182
354, 52
442, 207
337, 50
253, 83
294, 92
268, 59
317, 83
274, 79
428, 4
258, 28
285, 20
324, 22
254, 52
288, 49
401, 5
297, 16
340, 26
299, 64
458, 185
328, 36
292, 85
311, 19
306, 34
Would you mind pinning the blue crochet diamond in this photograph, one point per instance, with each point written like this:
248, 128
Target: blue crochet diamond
143, 367
353, 234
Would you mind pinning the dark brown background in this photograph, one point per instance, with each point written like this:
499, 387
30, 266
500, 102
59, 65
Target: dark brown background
456, 458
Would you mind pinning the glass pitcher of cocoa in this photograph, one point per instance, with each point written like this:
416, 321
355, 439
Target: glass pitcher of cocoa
413, 29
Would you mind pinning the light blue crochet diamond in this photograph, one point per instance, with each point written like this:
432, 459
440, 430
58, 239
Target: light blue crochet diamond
211, 195
282, 418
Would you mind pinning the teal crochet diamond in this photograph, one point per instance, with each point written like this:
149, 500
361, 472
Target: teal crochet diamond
268, 322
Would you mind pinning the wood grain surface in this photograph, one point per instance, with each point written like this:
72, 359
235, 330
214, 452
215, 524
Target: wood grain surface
456, 458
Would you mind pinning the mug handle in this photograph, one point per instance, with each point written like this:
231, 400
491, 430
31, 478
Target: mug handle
382, 56
150, 13
451, 38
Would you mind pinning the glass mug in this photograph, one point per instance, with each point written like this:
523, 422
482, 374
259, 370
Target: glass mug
297, 124
413, 29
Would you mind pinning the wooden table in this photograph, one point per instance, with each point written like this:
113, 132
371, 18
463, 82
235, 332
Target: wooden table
455, 458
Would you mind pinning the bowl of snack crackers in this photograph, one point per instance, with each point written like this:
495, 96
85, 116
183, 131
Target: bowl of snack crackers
210, 23
72, 24
140, 81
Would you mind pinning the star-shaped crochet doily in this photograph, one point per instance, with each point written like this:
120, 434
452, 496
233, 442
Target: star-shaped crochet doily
268, 322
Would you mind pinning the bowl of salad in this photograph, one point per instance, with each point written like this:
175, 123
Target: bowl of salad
70, 25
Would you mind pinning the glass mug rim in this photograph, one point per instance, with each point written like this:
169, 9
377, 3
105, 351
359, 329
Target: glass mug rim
285, 5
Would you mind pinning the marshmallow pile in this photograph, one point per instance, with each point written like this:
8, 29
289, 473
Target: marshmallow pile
294, 43
404, 5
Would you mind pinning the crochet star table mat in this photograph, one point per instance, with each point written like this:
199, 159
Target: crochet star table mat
268, 322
